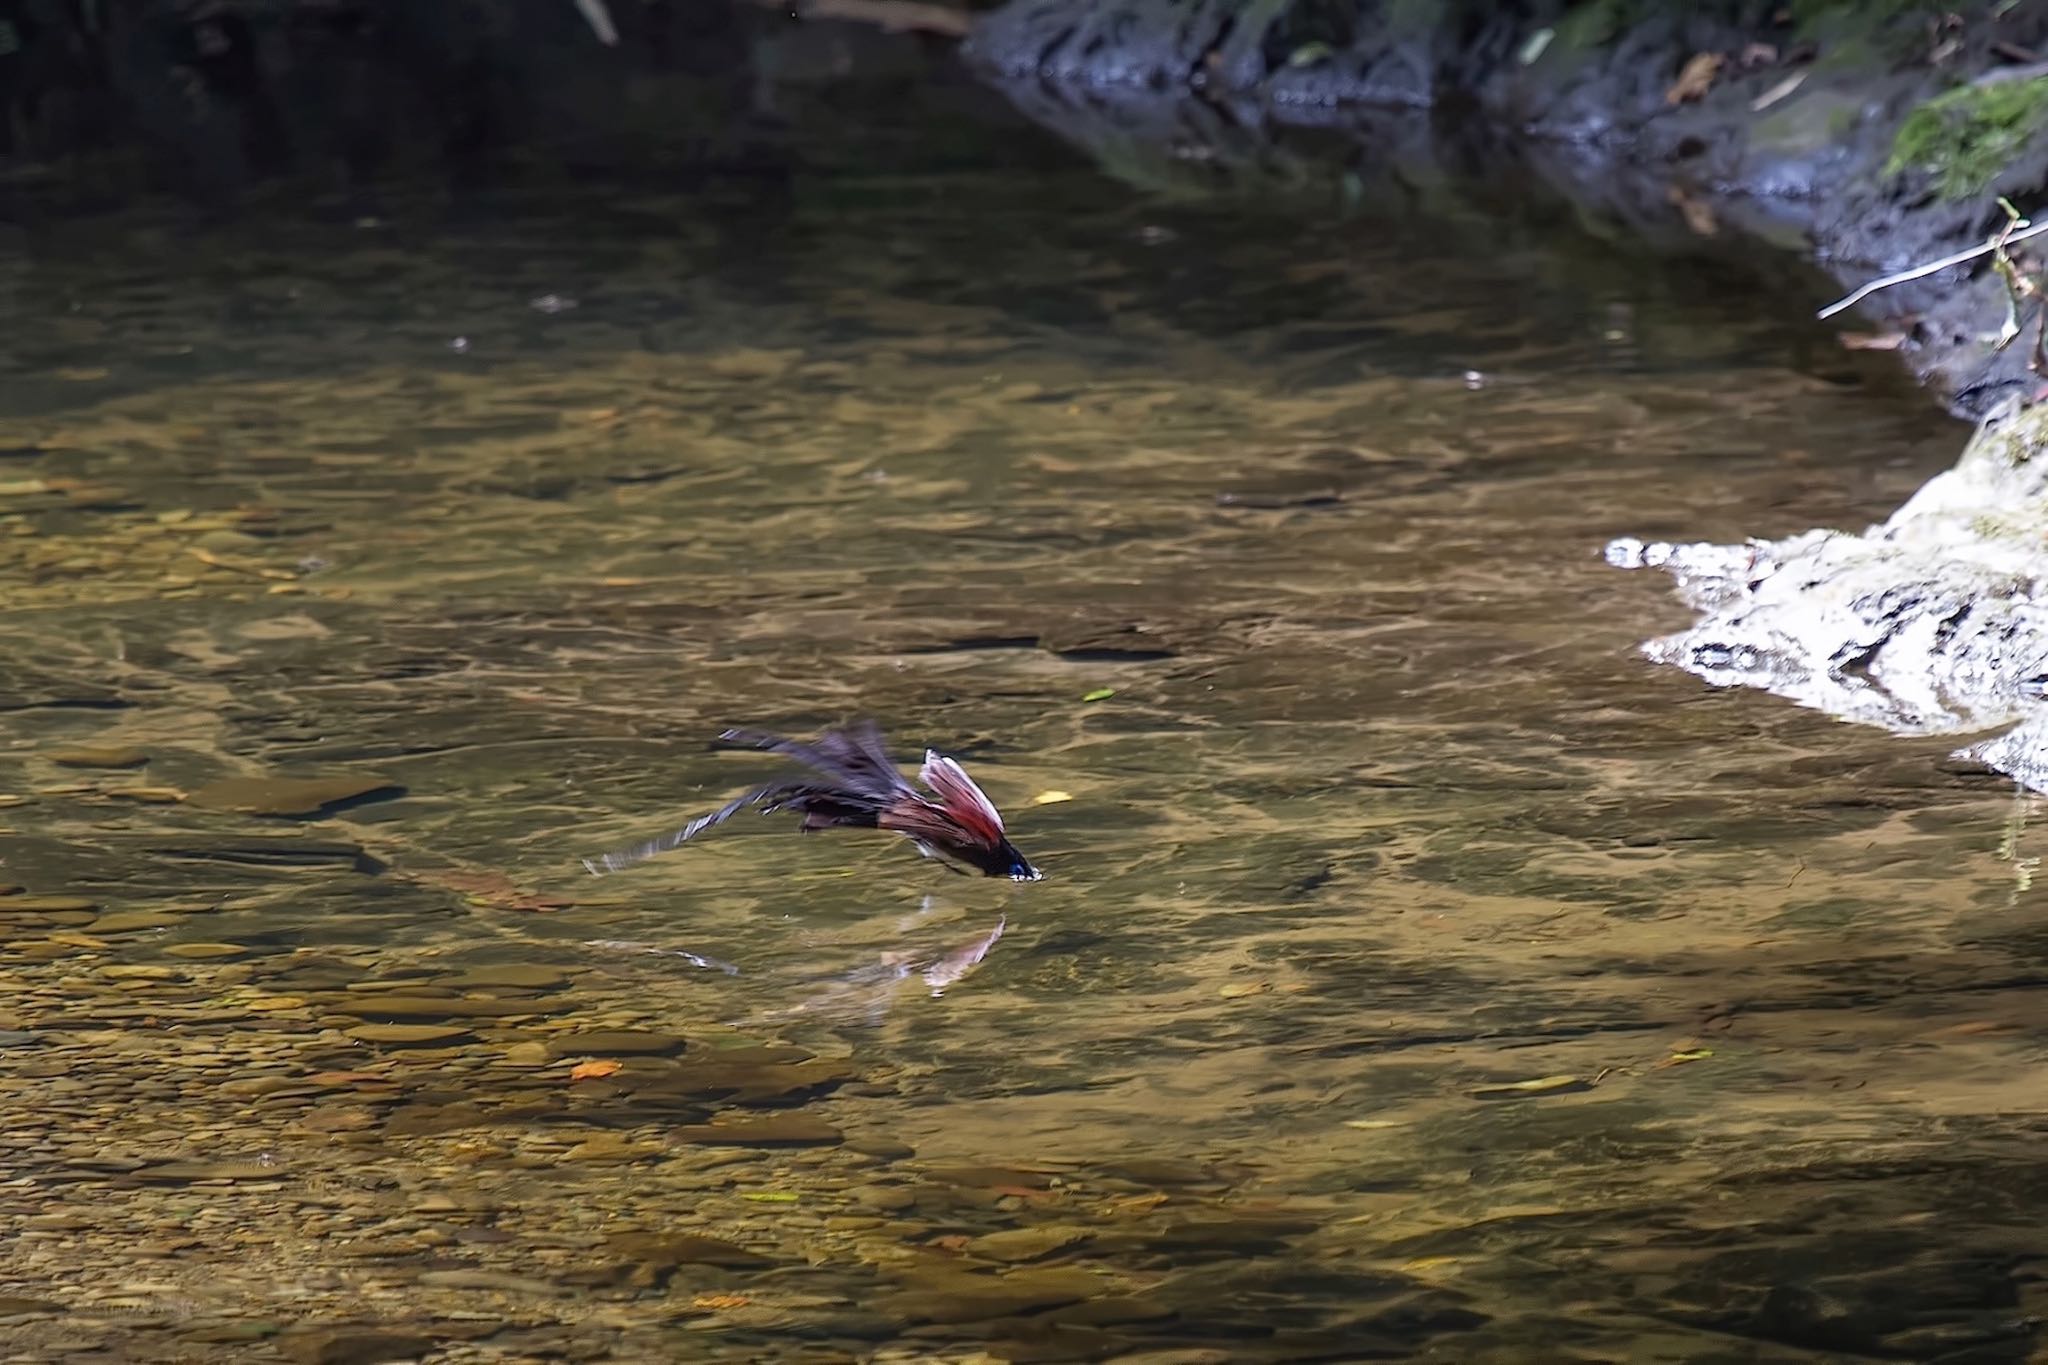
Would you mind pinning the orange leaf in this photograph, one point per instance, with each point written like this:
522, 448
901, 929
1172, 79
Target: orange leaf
951, 1242
1699, 214
591, 1070
1696, 79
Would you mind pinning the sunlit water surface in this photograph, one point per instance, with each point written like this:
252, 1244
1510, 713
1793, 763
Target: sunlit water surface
1418, 970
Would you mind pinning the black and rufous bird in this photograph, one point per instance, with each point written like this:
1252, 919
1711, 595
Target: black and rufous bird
858, 787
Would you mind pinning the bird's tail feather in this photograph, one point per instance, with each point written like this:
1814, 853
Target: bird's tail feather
626, 857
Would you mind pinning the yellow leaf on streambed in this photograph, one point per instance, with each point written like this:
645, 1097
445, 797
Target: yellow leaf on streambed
1541, 1085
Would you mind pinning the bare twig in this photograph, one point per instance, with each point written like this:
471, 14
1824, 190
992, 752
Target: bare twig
2005, 237
600, 20
2021, 289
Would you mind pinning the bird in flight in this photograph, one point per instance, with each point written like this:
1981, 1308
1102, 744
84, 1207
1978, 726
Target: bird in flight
855, 785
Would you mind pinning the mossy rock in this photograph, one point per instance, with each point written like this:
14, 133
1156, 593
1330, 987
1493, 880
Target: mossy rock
1967, 137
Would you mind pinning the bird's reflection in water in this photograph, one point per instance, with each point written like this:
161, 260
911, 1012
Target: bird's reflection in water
931, 963
916, 960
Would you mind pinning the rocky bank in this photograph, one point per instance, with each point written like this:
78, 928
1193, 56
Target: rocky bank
1878, 136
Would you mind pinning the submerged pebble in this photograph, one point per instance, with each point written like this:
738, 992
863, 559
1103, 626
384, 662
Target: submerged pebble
406, 1035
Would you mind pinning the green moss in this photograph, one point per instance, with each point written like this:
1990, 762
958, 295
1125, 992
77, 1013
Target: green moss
1966, 137
1592, 24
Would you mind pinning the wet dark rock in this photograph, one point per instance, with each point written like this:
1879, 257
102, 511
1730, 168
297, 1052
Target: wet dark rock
1415, 1316
1028, 1244
493, 1280
956, 1297
617, 1042
105, 1163
988, 1176
230, 1331
1967, 1343
380, 1005
1063, 941
670, 1249
205, 952
885, 1198
270, 852
852, 1324
888, 1149
1028, 1340
1805, 1315
766, 1086
187, 1172
507, 976
354, 1346
1273, 502
379, 1249
408, 1035
612, 1275
1143, 43
98, 756
611, 1149
413, 1120
1245, 1233
1165, 1172
128, 921
971, 643
24, 689
1111, 1311
759, 1054
782, 1130
1115, 654
31, 905
338, 1118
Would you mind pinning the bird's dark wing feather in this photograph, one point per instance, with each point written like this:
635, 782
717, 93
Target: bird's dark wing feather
860, 784
852, 758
